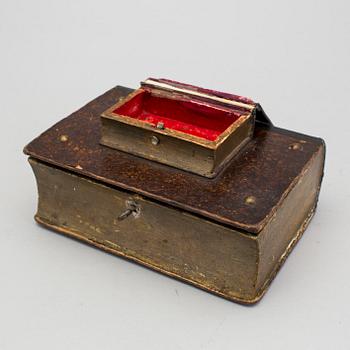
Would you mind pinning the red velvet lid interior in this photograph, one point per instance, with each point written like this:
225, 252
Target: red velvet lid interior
191, 117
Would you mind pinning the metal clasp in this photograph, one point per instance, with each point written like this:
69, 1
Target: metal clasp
131, 208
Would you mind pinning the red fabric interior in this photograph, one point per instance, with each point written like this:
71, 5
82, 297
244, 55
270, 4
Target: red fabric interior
190, 117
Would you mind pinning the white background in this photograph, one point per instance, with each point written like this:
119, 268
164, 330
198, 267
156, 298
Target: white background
292, 56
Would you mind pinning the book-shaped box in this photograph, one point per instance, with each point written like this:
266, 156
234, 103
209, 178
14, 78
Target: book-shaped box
229, 234
187, 127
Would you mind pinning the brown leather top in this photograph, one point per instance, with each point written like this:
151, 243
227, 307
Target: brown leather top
267, 168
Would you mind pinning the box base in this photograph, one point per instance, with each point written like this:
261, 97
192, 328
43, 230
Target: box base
107, 247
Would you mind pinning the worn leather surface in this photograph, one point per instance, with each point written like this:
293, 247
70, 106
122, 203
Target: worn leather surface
244, 195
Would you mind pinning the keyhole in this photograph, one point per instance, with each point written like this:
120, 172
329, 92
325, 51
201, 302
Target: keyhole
131, 208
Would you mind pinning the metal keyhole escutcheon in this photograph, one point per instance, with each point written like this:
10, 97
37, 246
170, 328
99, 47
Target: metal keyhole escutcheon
132, 208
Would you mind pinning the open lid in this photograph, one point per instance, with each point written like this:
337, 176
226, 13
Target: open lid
214, 97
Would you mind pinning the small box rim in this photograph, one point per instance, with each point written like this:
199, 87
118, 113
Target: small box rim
213, 145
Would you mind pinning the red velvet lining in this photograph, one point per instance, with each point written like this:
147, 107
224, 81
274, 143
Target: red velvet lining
190, 117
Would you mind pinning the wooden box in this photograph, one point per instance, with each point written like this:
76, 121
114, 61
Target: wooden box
228, 235
190, 128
